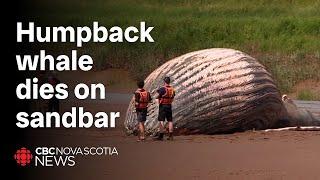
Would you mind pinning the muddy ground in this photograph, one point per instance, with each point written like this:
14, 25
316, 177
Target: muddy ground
248, 155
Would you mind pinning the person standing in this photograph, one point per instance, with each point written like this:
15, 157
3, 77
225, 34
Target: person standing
142, 99
165, 98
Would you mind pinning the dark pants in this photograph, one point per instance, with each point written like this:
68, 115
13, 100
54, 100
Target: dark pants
165, 112
141, 115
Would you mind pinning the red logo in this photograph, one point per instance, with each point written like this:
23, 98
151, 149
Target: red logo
23, 156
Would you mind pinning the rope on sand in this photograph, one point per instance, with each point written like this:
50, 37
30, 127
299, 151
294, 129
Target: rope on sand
301, 128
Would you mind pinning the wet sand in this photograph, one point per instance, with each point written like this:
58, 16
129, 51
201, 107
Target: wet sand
248, 155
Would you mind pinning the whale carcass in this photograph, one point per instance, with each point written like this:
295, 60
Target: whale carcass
217, 91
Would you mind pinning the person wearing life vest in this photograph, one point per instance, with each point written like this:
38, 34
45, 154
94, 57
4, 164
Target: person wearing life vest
165, 98
142, 99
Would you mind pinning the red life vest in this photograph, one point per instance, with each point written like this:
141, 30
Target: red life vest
143, 100
167, 98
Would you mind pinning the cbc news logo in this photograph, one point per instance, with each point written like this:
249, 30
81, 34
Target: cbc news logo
59, 156
23, 156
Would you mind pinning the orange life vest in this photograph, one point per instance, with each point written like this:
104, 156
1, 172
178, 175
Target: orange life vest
143, 100
167, 98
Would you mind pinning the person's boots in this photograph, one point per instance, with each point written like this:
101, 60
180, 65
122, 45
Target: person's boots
160, 137
141, 138
170, 137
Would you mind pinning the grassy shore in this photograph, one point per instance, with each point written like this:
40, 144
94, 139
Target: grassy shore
283, 35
